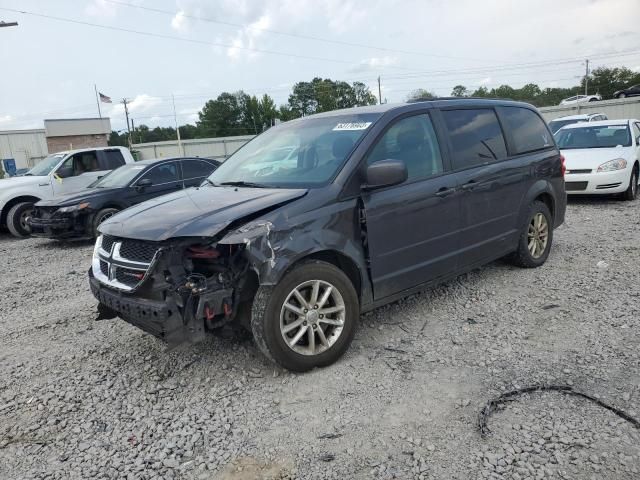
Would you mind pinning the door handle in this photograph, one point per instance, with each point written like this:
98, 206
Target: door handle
444, 191
470, 185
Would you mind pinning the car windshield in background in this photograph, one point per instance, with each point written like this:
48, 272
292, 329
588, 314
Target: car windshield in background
556, 125
301, 153
45, 166
119, 177
603, 136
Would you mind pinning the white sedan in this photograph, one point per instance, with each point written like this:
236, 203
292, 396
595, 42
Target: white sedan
601, 157
581, 99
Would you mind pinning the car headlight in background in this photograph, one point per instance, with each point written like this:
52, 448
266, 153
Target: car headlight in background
74, 208
612, 165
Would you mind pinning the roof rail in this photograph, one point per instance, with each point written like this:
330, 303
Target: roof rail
460, 98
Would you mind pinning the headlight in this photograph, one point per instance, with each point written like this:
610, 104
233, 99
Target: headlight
74, 208
612, 165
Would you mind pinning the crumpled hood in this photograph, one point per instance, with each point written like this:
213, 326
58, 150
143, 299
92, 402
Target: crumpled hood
86, 195
194, 212
592, 158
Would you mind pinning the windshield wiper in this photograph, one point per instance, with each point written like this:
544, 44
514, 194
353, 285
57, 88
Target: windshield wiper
244, 184
209, 182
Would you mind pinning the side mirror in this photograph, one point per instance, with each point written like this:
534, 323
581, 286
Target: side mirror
144, 183
385, 173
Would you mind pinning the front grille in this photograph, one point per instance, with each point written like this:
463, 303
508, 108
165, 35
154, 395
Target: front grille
138, 251
107, 242
584, 170
104, 268
128, 277
575, 186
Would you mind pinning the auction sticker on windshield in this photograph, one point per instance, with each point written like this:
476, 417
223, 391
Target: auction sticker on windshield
352, 126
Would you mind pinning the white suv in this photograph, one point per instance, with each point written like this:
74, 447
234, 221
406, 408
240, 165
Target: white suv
57, 174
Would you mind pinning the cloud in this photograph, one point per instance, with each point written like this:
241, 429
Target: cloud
484, 81
101, 8
180, 22
141, 103
247, 38
374, 63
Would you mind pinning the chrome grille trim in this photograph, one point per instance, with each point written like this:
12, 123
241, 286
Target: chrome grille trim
114, 260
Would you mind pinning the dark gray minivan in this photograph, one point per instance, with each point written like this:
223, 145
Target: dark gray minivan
325, 217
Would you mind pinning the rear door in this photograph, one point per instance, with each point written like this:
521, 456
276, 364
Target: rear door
412, 228
492, 187
194, 171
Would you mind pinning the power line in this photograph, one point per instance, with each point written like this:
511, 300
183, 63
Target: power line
182, 39
290, 34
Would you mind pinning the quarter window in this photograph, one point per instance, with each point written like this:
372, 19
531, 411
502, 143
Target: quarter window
527, 129
164, 173
476, 137
196, 169
114, 159
413, 141
636, 132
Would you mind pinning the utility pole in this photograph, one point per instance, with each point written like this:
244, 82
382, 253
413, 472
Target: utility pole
175, 119
586, 78
95, 88
126, 113
8, 24
379, 91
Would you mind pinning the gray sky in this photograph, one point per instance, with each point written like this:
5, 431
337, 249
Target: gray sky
49, 66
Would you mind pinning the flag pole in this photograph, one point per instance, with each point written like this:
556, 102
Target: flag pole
97, 100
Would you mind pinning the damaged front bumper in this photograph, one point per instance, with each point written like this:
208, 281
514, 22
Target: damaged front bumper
175, 292
59, 226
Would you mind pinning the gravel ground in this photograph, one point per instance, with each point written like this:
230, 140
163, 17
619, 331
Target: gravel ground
86, 399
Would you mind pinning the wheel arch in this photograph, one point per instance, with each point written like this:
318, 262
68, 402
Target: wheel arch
14, 201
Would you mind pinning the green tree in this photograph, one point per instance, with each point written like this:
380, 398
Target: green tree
459, 91
608, 80
420, 94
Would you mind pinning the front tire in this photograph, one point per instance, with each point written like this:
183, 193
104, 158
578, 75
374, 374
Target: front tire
536, 237
632, 192
17, 219
309, 319
100, 217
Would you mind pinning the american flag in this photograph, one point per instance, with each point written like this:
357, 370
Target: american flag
104, 98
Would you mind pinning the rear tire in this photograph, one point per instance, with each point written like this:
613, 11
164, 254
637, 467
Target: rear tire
100, 217
16, 219
536, 237
622, 95
632, 192
323, 329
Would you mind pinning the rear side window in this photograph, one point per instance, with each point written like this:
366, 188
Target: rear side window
114, 159
476, 137
196, 169
636, 132
527, 129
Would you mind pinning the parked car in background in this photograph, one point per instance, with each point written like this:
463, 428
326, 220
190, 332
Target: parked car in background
581, 99
627, 92
57, 174
383, 201
601, 157
78, 215
557, 123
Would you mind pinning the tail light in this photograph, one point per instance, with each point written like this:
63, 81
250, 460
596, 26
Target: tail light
563, 166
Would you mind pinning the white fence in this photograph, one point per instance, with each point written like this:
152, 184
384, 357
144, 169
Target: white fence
218, 148
614, 109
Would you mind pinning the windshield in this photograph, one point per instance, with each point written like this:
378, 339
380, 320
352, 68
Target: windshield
120, 177
604, 136
302, 153
45, 166
556, 125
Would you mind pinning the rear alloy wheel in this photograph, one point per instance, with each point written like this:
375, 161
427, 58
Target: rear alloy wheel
622, 95
17, 219
308, 320
101, 216
535, 237
632, 191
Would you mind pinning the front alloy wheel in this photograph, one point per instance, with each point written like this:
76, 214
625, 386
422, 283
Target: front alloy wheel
308, 319
312, 317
